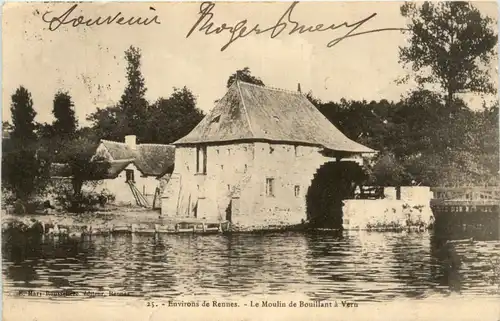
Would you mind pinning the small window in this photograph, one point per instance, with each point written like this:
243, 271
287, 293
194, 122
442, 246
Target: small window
217, 151
229, 151
228, 187
270, 187
297, 190
222, 167
201, 159
296, 150
245, 168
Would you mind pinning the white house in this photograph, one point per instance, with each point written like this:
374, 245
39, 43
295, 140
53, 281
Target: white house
136, 172
135, 169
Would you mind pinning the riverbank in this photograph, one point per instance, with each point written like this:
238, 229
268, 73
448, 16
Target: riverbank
130, 219
112, 220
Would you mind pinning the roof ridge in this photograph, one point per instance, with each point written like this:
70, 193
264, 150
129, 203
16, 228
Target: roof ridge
153, 144
144, 144
244, 107
275, 89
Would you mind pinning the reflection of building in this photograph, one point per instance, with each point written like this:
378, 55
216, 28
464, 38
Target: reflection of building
252, 159
135, 170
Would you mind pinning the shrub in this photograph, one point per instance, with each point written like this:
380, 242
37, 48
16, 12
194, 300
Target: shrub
85, 201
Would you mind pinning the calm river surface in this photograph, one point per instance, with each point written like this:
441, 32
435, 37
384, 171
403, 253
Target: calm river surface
363, 266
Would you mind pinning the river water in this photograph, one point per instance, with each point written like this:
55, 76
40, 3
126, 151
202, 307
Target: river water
362, 266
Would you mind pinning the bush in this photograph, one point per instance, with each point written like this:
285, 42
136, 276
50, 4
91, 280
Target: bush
86, 201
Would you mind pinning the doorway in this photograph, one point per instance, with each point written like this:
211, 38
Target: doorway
129, 175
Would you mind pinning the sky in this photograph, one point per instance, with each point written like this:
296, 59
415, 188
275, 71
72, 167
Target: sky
89, 63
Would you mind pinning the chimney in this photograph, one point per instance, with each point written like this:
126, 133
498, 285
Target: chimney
298, 88
130, 141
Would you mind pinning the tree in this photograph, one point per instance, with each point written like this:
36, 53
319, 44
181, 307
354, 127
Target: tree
244, 75
78, 155
388, 171
129, 116
65, 123
23, 116
24, 164
106, 123
133, 102
450, 45
172, 118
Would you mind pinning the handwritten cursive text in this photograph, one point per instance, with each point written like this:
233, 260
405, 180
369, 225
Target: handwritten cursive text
75, 21
285, 22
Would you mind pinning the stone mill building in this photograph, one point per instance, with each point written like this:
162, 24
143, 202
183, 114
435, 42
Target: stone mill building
253, 160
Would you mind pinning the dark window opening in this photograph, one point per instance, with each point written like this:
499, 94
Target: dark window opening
270, 187
129, 175
216, 119
201, 159
297, 190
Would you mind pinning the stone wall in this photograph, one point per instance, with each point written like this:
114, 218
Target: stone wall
237, 177
413, 207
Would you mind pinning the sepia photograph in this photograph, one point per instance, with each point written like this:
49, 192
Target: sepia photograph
250, 161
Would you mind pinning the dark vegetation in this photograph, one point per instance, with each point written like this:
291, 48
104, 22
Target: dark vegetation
429, 137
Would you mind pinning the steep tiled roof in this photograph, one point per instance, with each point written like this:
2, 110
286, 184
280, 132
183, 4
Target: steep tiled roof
118, 150
155, 159
251, 112
115, 168
150, 159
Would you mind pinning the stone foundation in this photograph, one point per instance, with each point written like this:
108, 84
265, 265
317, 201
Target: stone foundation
411, 211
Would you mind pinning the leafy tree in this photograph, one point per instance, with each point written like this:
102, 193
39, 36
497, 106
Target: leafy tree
78, 155
388, 171
25, 171
244, 75
23, 116
24, 164
129, 115
172, 118
65, 123
450, 45
106, 123
133, 103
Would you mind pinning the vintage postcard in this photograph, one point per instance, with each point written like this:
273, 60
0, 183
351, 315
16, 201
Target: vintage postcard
250, 161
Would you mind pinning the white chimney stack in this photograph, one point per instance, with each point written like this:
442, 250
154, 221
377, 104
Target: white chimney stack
130, 141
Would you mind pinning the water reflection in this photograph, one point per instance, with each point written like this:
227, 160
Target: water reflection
326, 266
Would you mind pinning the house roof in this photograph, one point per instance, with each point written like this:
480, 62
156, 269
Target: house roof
109, 169
252, 112
150, 159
